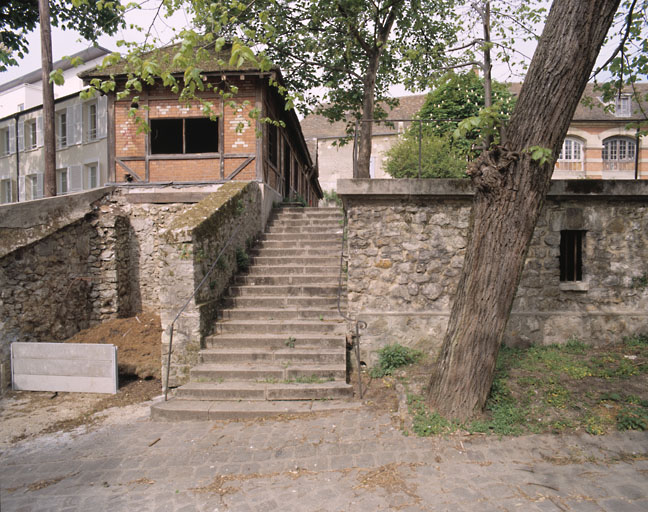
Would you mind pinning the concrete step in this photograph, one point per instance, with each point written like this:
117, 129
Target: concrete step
278, 327
286, 280
267, 373
294, 313
276, 302
313, 356
276, 270
207, 410
275, 341
294, 290
264, 391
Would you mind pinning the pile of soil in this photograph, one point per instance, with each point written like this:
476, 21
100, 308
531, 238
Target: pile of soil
137, 340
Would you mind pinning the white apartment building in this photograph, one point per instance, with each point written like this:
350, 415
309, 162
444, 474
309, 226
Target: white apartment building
81, 133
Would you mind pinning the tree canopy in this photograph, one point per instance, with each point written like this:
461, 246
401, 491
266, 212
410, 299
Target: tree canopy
90, 18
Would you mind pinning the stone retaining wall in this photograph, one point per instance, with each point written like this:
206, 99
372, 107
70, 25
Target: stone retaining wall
407, 242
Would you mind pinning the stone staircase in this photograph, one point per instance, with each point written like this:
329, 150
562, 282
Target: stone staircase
280, 345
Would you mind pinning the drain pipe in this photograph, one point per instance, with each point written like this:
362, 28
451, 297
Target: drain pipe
638, 140
17, 157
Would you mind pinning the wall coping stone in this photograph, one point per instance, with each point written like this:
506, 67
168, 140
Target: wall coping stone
24, 223
636, 190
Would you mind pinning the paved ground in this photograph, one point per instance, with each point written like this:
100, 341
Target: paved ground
343, 461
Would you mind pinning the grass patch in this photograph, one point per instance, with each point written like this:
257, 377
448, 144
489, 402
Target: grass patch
564, 388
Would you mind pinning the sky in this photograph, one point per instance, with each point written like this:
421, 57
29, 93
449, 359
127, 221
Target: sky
69, 42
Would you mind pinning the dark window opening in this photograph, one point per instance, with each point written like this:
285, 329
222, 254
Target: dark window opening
201, 135
571, 255
181, 136
286, 171
272, 145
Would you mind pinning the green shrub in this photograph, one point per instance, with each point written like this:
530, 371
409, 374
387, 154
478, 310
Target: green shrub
242, 259
632, 418
438, 159
394, 356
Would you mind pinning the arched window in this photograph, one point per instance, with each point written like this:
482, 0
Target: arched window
619, 153
572, 150
571, 155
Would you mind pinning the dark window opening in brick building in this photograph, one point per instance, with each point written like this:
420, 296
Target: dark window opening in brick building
272, 145
571, 255
182, 136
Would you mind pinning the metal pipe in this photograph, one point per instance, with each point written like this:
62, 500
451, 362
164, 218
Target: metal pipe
638, 140
420, 138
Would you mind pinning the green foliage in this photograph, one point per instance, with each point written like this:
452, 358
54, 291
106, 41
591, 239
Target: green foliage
457, 107
632, 418
290, 342
438, 159
242, 259
91, 18
539, 154
331, 196
638, 340
640, 282
394, 356
426, 423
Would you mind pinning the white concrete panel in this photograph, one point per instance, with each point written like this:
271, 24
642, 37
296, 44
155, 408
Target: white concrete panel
90, 368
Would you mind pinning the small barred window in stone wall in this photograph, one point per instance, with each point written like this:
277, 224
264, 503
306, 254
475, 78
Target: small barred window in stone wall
571, 255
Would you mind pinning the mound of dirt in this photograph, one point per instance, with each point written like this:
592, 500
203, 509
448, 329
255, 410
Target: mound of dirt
137, 340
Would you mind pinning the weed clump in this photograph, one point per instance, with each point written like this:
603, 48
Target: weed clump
394, 356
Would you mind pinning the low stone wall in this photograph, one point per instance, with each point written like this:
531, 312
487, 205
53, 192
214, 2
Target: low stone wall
188, 249
407, 240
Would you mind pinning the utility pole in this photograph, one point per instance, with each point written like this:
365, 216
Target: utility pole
48, 99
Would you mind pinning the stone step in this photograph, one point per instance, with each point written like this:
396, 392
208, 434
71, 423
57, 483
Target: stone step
300, 244
300, 227
309, 213
278, 327
302, 237
208, 410
293, 313
275, 341
276, 302
269, 270
296, 261
302, 252
264, 391
295, 290
313, 356
267, 373
286, 280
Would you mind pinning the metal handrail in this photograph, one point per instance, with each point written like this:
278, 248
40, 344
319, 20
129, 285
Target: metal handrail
203, 280
359, 324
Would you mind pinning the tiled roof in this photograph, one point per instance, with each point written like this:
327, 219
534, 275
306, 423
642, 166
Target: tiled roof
317, 126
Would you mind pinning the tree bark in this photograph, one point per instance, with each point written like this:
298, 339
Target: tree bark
509, 192
366, 124
49, 137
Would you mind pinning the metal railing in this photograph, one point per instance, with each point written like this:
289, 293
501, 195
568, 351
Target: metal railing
171, 327
359, 324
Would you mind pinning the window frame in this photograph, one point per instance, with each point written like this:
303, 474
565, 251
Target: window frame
62, 178
62, 124
92, 133
6, 137
572, 243
612, 150
623, 105
6, 194
30, 135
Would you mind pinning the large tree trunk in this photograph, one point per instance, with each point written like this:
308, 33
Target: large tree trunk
366, 124
510, 190
48, 99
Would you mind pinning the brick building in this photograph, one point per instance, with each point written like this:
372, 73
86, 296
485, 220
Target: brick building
182, 144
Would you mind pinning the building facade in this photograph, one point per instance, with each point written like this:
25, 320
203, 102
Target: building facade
182, 144
81, 134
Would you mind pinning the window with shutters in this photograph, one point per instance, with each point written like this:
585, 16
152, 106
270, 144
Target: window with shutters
91, 175
62, 129
184, 136
90, 121
31, 138
5, 191
62, 186
5, 136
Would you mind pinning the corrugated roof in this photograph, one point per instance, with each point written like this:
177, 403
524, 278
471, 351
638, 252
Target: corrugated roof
64, 64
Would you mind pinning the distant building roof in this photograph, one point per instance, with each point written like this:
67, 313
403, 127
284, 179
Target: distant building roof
64, 64
317, 126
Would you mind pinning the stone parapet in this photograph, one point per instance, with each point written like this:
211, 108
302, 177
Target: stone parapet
407, 240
